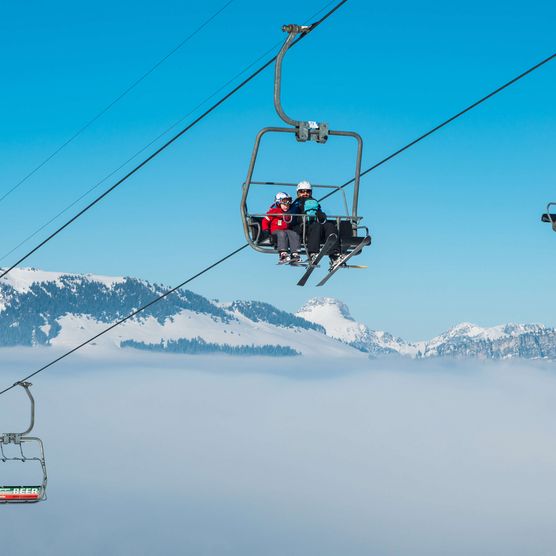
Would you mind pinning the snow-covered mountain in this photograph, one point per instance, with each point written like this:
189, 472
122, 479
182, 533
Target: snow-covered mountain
529, 341
505, 341
52, 308
57, 309
334, 317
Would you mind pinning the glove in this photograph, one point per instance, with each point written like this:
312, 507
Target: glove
311, 208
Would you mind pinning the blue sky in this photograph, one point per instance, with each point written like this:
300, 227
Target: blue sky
455, 220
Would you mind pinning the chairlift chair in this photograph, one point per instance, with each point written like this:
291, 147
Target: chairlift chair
549, 217
13, 449
351, 232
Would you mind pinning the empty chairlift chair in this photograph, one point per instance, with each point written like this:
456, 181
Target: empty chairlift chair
16, 449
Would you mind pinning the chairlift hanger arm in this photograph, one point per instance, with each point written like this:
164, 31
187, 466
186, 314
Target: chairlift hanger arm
16, 436
292, 30
304, 130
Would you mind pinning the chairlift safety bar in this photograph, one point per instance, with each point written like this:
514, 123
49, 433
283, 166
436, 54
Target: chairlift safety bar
313, 185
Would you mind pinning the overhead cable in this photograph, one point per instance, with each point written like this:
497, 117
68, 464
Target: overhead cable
446, 122
131, 315
150, 143
115, 101
168, 143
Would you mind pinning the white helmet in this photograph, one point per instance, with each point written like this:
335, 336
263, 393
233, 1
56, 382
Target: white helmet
281, 197
304, 185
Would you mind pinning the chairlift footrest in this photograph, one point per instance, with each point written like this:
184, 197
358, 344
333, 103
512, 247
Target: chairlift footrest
343, 260
332, 238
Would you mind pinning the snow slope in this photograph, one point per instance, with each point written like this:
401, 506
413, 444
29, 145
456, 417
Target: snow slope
64, 310
21, 279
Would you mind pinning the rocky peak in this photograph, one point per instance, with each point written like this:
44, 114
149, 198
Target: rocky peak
328, 305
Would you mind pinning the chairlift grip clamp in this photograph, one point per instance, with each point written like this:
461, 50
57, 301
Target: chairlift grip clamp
312, 131
293, 28
11, 438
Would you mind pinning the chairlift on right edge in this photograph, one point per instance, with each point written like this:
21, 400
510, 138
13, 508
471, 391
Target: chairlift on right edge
549, 217
347, 239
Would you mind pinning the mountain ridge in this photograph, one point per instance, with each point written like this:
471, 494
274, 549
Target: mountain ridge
63, 309
59, 309
464, 340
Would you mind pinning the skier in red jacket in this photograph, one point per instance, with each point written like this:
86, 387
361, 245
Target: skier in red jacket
276, 222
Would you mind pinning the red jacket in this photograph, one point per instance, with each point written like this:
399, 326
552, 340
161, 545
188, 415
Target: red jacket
276, 219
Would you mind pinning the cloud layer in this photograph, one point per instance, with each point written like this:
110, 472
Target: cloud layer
216, 455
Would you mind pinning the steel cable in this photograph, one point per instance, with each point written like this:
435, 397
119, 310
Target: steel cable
446, 122
150, 143
168, 143
115, 101
131, 315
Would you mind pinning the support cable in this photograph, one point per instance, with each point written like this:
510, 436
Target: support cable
168, 143
152, 142
131, 315
115, 101
445, 123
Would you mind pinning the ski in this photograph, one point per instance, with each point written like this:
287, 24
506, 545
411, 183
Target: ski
341, 262
300, 263
332, 238
297, 262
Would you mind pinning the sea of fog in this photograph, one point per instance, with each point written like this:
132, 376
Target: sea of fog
158, 454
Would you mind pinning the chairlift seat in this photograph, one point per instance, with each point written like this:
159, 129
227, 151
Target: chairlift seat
347, 233
349, 238
550, 218
255, 228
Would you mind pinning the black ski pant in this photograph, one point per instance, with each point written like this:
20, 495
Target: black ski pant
318, 233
